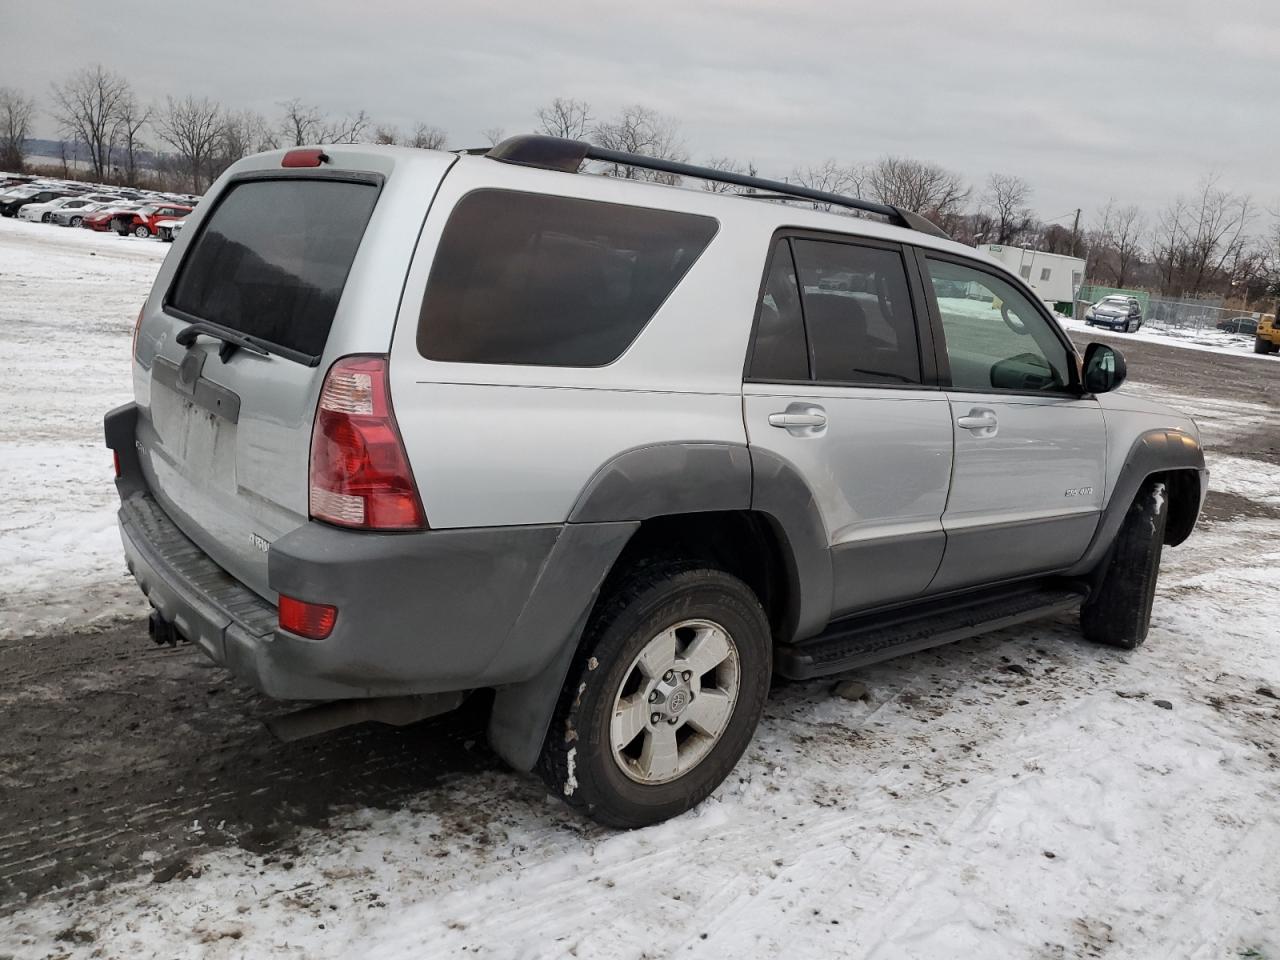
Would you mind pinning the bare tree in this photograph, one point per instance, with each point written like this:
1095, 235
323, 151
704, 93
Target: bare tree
427, 137
914, 185
17, 111
1196, 238
1006, 198
645, 132
495, 135
131, 116
565, 117
87, 107
726, 165
348, 129
302, 123
242, 133
831, 177
386, 134
1117, 244
194, 128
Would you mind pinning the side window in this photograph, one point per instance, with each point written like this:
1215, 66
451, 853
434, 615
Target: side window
529, 278
857, 312
1044, 273
996, 338
780, 351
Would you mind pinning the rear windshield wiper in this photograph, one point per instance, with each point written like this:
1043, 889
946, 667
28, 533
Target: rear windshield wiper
231, 340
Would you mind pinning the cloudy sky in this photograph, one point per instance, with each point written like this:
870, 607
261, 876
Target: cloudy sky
1086, 99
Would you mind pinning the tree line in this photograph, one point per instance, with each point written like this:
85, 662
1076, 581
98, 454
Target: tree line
1208, 242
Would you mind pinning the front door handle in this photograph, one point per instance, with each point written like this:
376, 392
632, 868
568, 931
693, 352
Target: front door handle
787, 420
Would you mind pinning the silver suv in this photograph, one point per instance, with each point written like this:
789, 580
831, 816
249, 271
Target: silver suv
411, 425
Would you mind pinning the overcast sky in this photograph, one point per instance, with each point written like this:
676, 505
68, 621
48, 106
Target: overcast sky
1085, 99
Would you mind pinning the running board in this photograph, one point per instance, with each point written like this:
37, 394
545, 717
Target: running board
859, 641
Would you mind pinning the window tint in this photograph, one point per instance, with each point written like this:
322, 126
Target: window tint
857, 311
533, 279
996, 338
273, 258
780, 351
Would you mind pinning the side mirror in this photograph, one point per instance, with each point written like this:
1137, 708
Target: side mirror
1104, 368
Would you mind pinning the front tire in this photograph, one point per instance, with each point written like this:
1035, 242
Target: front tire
1261, 346
664, 695
1118, 612
141, 231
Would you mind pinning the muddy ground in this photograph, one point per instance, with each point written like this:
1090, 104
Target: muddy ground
114, 751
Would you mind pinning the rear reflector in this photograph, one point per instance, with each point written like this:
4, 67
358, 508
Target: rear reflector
360, 475
311, 620
115, 459
304, 158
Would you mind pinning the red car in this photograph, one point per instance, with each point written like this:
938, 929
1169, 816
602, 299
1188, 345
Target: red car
143, 221
104, 219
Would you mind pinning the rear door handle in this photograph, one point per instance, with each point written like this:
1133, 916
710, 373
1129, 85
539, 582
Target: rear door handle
980, 421
788, 420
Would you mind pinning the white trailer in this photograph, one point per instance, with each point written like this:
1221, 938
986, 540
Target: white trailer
1053, 276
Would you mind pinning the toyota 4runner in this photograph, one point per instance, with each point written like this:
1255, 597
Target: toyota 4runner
411, 424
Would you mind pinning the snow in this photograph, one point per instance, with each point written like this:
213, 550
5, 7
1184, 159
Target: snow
1018, 795
68, 299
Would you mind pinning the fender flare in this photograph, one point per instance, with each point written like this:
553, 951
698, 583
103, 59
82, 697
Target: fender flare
1155, 451
635, 485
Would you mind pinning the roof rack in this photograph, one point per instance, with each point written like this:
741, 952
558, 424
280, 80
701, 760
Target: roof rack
567, 156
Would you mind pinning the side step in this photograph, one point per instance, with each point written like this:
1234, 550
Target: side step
859, 641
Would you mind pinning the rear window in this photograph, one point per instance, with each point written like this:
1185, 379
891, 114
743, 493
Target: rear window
525, 278
273, 257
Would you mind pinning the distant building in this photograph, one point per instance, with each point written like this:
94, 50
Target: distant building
1054, 277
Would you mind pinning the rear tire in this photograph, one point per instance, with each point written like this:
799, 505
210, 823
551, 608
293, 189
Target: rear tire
142, 231
77, 221
1261, 346
1118, 612
605, 754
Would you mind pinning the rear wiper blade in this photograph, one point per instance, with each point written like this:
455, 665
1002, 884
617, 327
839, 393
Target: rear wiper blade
230, 339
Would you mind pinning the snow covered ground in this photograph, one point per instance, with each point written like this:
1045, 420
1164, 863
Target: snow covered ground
1020, 795
68, 300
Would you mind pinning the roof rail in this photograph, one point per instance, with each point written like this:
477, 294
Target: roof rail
567, 156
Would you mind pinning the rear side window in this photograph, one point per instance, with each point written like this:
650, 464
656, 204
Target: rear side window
780, 351
526, 278
273, 257
858, 313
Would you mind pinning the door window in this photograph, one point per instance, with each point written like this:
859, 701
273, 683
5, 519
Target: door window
781, 352
857, 313
996, 338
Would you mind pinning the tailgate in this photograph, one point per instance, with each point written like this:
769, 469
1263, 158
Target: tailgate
309, 265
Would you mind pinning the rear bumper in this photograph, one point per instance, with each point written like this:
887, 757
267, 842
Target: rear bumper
427, 612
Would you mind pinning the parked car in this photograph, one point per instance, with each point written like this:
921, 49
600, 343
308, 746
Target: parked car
43, 212
1116, 312
410, 425
10, 206
1267, 337
144, 219
1245, 325
168, 230
73, 216
105, 219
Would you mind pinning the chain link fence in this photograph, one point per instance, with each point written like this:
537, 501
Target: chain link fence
1178, 317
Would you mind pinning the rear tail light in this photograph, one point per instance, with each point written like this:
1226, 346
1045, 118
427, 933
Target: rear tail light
360, 474
311, 620
115, 460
